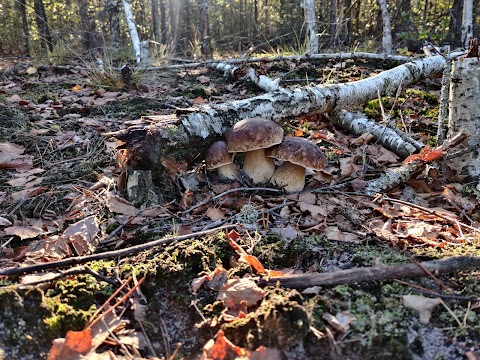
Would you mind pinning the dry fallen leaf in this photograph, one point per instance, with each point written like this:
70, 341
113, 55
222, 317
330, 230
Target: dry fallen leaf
11, 157
119, 205
83, 235
422, 305
236, 291
24, 232
215, 213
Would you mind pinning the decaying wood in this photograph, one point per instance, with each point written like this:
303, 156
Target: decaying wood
376, 273
105, 255
358, 124
443, 103
197, 128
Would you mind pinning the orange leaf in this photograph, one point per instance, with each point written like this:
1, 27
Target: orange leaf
275, 273
233, 235
299, 133
253, 262
221, 349
319, 135
79, 341
433, 155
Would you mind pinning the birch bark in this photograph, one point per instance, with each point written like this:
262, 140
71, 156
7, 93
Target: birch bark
467, 22
310, 20
463, 111
132, 28
387, 28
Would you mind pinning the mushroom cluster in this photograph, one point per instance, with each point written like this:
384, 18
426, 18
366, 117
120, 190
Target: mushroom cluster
262, 140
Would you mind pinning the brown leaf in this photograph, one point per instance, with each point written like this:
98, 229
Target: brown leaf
334, 233
236, 291
199, 100
119, 205
315, 210
203, 79
24, 232
11, 157
215, 213
83, 235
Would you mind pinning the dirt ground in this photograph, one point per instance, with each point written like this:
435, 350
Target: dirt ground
195, 295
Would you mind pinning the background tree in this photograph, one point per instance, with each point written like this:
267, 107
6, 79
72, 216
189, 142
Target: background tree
42, 23
25, 30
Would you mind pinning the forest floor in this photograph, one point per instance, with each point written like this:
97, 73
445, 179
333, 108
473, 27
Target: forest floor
198, 295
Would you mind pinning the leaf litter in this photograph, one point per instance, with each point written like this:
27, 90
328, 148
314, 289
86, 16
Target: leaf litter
60, 199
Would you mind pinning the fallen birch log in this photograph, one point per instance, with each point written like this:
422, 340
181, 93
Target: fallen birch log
195, 129
358, 124
262, 81
326, 56
376, 273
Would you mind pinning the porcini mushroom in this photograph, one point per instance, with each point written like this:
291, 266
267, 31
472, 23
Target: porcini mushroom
253, 136
297, 154
217, 157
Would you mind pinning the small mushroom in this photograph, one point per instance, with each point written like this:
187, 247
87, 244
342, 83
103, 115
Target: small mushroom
253, 136
297, 154
217, 157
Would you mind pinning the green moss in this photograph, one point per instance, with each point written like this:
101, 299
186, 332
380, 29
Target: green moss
280, 321
22, 329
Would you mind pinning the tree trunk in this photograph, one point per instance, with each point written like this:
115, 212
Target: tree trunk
186, 138
41, 18
173, 22
155, 21
310, 20
163, 20
204, 27
467, 22
463, 112
454, 34
347, 15
133, 30
113, 13
333, 21
26, 33
88, 26
387, 29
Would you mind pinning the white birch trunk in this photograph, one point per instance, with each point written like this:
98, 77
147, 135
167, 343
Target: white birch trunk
387, 28
133, 30
464, 112
467, 22
310, 20
195, 130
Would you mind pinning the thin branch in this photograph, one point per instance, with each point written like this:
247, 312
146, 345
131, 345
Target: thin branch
109, 254
370, 274
229, 192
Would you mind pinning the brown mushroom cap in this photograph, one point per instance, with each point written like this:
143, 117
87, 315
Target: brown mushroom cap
299, 151
253, 134
217, 155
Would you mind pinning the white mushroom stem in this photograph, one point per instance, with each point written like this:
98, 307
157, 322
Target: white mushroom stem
289, 176
229, 171
257, 166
